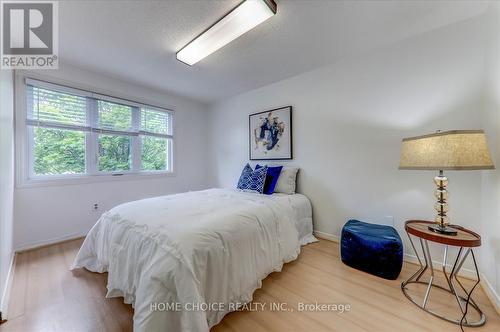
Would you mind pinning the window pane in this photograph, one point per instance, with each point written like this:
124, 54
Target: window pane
57, 107
114, 116
114, 153
58, 151
154, 153
155, 121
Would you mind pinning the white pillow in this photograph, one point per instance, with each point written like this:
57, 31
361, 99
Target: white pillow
287, 181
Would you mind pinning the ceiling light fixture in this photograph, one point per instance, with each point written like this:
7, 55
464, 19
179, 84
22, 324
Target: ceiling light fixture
241, 19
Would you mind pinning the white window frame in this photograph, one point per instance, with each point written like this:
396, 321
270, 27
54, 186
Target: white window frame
25, 176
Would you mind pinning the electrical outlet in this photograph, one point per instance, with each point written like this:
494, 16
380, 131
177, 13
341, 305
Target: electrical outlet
95, 207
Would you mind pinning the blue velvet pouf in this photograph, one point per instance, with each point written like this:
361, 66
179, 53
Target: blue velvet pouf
376, 249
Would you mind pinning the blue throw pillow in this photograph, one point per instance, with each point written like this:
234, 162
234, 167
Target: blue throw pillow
273, 173
252, 180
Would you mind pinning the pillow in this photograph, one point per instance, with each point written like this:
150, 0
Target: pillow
287, 180
273, 173
252, 180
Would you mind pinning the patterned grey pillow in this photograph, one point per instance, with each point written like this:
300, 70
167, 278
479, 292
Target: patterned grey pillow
287, 181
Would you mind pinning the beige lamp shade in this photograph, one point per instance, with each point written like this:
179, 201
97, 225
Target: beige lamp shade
448, 150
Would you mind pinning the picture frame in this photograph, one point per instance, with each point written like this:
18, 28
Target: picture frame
270, 134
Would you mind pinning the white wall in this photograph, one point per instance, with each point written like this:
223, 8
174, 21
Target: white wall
349, 118
6, 177
51, 213
490, 198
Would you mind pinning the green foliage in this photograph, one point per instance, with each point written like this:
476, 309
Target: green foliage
59, 151
154, 153
114, 153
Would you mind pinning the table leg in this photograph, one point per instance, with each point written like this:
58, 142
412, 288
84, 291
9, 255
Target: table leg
456, 267
421, 269
429, 285
450, 278
454, 276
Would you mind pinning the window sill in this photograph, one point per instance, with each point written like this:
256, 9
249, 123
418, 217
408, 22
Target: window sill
89, 179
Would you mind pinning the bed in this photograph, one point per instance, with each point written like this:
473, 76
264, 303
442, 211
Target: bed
184, 261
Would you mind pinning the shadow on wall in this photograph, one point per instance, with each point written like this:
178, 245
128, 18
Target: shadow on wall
350, 170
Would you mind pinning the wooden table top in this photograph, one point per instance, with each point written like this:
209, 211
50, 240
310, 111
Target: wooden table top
464, 237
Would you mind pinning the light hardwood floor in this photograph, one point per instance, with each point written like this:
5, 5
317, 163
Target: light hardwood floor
46, 296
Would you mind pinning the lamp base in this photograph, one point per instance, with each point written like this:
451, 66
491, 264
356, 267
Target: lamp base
442, 230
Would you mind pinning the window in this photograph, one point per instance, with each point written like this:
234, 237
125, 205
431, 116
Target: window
74, 132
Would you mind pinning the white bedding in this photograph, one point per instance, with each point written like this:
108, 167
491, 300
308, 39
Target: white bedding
302, 215
212, 246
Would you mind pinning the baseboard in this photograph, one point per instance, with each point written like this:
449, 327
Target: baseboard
464, 273
327, 236
4, 301
41, 244
490, 293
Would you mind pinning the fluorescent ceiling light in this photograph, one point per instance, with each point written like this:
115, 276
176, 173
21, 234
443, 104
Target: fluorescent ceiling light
243, 18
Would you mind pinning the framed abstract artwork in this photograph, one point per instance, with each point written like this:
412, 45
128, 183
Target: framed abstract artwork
270, 134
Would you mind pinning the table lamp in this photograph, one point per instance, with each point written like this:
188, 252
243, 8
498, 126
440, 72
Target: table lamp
447, 150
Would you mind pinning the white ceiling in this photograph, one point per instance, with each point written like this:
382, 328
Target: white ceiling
137, 40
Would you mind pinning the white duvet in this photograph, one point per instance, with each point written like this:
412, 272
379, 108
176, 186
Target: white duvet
184, 261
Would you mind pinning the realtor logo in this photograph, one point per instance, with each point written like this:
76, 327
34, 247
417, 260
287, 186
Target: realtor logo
29, 34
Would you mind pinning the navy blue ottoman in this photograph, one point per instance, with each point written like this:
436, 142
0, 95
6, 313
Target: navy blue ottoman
376, 249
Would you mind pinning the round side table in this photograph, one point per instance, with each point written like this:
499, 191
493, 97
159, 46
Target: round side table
466, 240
